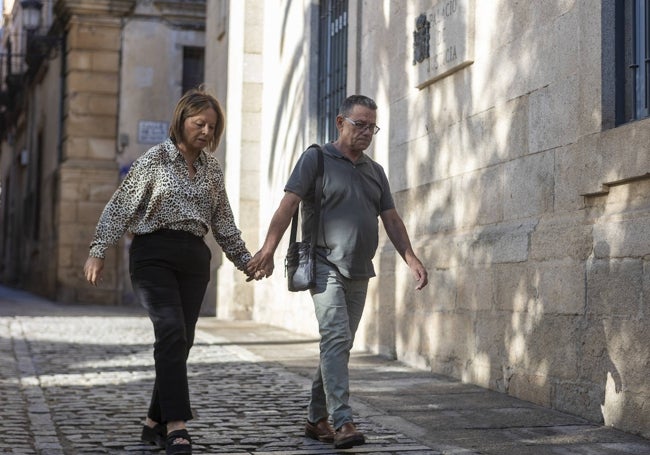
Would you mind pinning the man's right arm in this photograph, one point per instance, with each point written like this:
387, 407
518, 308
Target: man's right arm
263, 259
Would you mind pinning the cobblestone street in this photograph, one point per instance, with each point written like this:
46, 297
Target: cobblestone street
80, 385
76, 380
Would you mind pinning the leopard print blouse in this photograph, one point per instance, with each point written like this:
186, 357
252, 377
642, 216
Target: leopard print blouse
158, 193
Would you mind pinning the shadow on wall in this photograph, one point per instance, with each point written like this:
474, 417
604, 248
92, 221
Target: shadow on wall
286, 141
288, 131
523, 298
618, 283
597, 366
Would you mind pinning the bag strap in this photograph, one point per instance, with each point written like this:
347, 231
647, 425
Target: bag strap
318, 194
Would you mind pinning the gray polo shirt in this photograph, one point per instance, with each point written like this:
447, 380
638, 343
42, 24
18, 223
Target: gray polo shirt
354, 194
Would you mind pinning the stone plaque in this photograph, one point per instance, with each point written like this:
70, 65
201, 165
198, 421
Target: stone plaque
152, 132
449, 28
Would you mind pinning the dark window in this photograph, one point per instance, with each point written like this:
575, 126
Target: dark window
632, 50
193, 67
332, 65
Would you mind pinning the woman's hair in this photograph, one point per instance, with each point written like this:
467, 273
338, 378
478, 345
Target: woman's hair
192, 103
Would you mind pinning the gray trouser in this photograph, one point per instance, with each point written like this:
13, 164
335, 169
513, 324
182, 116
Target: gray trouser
338, 303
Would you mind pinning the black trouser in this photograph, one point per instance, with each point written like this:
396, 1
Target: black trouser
170, 271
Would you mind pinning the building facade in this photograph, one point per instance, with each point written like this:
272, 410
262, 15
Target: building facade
99, 92
515, 136
516, 140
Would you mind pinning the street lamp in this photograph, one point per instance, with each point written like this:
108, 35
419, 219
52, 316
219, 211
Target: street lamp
31, 14
14, 74
39, 47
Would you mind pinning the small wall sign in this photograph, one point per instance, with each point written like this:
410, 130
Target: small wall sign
443, 40
150, 132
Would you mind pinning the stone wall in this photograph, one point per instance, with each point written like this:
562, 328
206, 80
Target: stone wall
490, 167
538, 277
88, 173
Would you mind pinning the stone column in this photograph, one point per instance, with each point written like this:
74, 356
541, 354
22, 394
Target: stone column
235, 70
88, 172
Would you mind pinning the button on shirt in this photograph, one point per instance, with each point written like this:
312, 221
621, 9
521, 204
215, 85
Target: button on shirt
354, 195
158, 193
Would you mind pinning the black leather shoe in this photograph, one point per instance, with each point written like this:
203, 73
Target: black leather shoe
175, 445
348, 436
321, 431
155, 436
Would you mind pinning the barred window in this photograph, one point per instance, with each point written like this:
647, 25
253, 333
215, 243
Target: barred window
632, 41
193, 67
332, 65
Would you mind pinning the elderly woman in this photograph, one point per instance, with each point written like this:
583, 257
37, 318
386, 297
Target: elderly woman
169, 199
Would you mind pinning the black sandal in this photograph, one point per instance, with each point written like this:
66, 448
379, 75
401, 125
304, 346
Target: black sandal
180, 448
156, 436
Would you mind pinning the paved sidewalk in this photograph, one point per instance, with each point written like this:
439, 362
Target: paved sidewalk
76, 380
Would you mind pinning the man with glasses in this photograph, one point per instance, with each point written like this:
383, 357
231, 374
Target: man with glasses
355, 193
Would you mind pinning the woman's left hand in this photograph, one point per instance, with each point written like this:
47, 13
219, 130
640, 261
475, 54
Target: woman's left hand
93, 269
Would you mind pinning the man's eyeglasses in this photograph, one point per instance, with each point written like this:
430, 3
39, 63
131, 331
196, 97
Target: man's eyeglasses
363, 126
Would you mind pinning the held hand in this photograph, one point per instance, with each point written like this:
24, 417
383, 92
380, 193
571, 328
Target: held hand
93, 269
260, 266
250, 276
256, 275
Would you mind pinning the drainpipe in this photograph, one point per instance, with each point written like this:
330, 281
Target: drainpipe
62, 49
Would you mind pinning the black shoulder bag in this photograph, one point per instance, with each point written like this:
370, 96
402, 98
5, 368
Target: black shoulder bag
300, 263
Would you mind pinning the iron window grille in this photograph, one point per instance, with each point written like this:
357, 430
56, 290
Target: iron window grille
332, 65
632, 50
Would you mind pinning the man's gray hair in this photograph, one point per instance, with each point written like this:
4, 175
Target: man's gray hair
354, 100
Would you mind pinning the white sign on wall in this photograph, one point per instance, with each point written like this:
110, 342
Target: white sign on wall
150, 132
443, 40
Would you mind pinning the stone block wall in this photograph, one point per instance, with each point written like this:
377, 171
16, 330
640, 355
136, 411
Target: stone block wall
88, 173
530, 214
538, 278
85, 189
